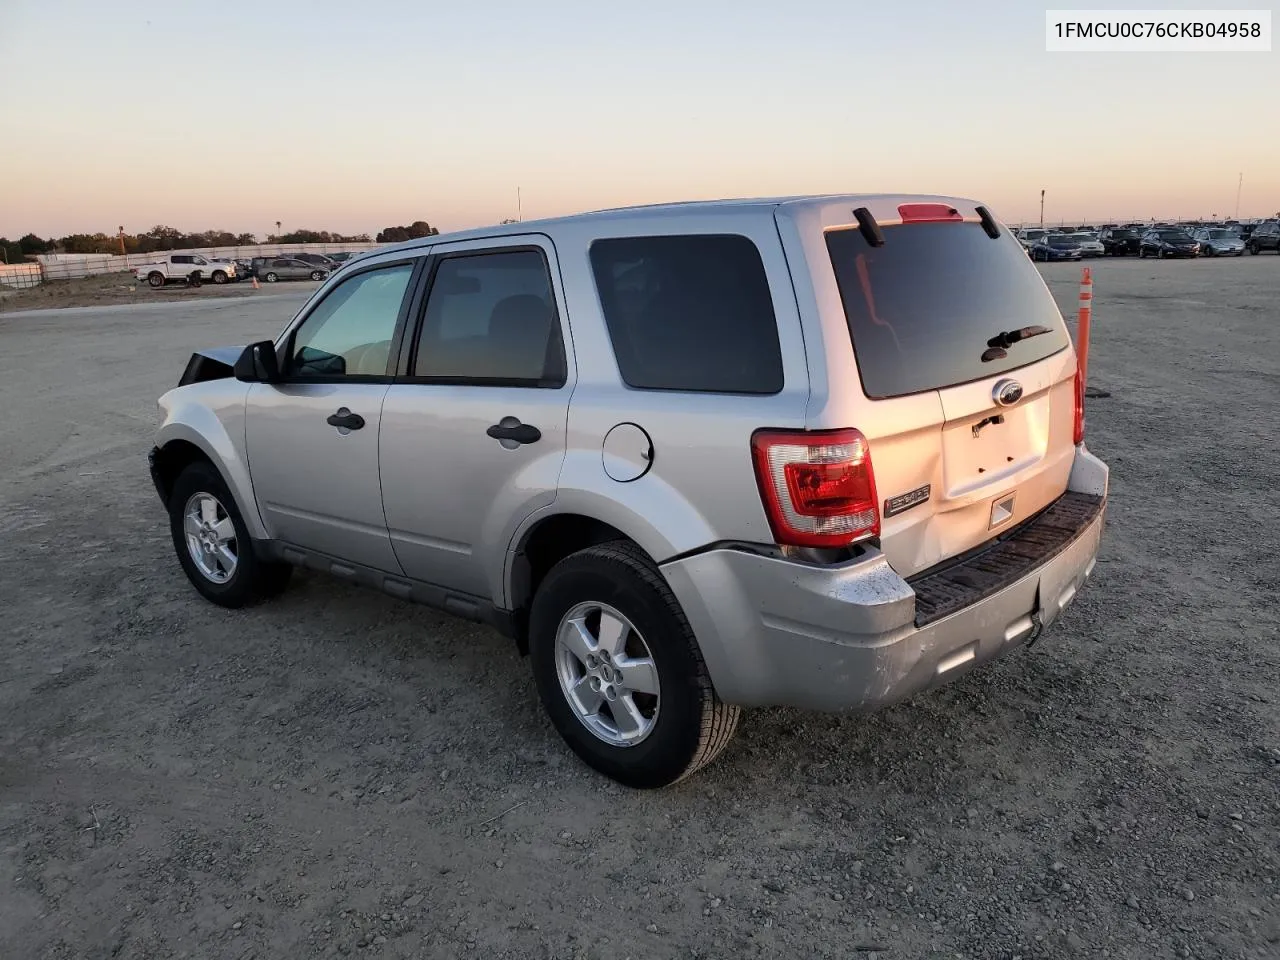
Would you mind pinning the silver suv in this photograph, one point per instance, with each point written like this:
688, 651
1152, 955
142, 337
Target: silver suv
822, 452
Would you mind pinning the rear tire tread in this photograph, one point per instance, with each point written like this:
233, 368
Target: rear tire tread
719, 720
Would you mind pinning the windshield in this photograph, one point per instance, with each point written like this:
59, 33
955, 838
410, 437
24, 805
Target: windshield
922, 308
1082, 237
1123, 234
1063, 240
1173, 235
1220, 234
1034, 234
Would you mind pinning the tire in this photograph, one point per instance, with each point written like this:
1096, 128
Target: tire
1142, 253
687, 724
1160, 253
248, 579
155, 279
271, 278
317, 275
1253, 249
219, 276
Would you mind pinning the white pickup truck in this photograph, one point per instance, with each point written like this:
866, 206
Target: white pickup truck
186, 267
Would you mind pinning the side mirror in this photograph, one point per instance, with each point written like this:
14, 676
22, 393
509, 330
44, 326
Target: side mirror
257, 364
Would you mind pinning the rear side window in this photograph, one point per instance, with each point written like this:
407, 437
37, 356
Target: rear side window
922, 307
690, 313
491, 318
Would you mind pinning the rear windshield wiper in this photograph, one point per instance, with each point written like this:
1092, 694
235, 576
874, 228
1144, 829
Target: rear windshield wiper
1001, 342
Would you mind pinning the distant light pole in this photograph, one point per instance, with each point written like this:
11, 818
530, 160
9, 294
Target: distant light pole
1239, 187
123, 252
277, 231
1042, 209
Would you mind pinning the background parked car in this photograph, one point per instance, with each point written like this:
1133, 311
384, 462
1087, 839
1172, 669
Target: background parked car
1120, 241
186, 267
1218, 242
272, 269
1168, 242
316, 259
1265, 236
1028, 236
1090, 245
1056, 246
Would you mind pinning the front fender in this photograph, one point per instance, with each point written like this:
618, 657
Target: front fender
210, 415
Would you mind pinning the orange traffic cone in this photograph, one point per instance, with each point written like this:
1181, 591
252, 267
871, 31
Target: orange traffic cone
255, 282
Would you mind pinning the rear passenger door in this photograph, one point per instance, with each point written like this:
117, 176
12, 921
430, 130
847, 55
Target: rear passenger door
473, 429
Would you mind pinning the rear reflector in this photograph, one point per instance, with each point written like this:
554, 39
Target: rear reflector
817, 486
1079, 427
927, 212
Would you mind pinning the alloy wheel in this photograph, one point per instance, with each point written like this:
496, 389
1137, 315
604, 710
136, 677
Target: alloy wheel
607, 674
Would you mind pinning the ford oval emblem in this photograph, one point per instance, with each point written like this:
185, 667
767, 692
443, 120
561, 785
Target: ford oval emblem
1006, 392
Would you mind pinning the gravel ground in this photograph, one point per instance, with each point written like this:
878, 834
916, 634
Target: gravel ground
120, 288
338, 773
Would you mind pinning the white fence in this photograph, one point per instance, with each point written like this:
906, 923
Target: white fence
70, 266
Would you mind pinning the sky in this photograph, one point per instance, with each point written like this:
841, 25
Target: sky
351, 116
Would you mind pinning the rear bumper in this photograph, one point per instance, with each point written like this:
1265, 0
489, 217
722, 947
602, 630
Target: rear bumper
858, 637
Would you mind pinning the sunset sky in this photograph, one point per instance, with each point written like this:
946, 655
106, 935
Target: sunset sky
351, 116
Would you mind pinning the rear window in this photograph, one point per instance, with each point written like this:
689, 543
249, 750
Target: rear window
922, 307
690, 313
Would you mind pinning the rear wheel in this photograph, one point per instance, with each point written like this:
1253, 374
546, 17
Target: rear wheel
619, 671
317, 275
213, 544
271, 278
155, 279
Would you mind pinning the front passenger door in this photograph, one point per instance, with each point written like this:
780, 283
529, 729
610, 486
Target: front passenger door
312, 438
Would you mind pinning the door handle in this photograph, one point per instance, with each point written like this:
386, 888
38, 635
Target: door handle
345, 419
512, 429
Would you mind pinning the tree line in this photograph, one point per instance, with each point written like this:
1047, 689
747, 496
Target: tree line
161, 237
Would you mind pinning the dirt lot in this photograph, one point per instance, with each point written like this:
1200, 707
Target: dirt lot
338, 773
120, 288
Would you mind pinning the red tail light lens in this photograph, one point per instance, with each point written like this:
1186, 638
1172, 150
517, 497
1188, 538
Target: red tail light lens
1079, 429
818, 487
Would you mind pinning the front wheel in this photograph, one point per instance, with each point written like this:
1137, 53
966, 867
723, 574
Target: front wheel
1253, 249
219, 276
213, 543
619, 671
271, 278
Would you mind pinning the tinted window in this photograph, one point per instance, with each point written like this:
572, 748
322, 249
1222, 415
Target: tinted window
1123, 234
491, 317
922, 307
350, 332
690, 313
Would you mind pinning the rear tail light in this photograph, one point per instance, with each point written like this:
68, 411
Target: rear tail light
818, 487
1079, 427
